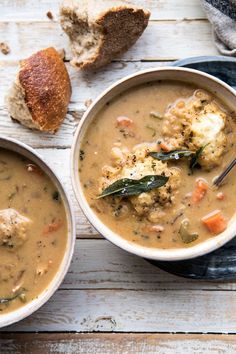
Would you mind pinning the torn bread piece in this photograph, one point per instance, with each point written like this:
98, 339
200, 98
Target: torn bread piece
101, 30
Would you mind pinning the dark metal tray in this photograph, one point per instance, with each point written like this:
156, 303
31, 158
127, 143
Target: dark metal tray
220, 264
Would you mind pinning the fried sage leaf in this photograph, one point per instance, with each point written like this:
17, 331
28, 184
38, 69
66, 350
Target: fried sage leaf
195, 158
9, 298
186, 236
171, 155
126, 187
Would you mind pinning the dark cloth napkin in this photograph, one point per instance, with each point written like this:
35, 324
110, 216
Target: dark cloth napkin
222, 15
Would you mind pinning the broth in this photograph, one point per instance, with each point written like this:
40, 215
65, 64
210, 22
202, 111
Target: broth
33, 231
155, 115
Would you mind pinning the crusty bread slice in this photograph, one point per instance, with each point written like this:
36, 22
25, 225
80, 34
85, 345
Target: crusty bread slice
101, 30
41, 92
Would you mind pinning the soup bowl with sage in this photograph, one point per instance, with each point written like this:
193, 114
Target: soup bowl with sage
37, 231
144, 161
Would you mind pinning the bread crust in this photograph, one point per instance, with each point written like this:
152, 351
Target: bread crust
118, 27
108, 20
46, 84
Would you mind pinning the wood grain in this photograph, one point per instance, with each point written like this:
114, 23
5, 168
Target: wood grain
98, 264
62, 139
119, 310
66, 343
162, 40
32, 10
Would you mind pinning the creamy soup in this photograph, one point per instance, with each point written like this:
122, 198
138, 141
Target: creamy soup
148, 162
33, 231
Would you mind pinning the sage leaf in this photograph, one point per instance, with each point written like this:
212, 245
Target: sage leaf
126, 187
171, 155
195, 157
9, 298
186, 236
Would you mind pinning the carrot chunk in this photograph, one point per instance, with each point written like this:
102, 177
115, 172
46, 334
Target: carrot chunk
164, 147
123, 121
199, 191
54, 226
215, 222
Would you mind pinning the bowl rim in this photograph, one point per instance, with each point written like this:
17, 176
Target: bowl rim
24, 311
171, 254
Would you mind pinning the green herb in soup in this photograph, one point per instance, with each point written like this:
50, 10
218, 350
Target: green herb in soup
190, 134
126, 187
33, 231
8, 299
185, 234
171, 155
195, 158
179, 154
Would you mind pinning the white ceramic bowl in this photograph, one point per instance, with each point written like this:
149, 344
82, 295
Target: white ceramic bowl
29, 308
203, 80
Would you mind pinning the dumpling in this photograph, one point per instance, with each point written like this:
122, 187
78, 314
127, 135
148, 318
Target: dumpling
13, 229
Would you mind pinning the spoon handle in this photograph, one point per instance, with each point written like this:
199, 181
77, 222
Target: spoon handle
219, 179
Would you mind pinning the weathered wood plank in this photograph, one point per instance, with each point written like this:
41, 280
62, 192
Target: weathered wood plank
62, 139
134, 311
98, 264
161, 10
162, 40
66, 343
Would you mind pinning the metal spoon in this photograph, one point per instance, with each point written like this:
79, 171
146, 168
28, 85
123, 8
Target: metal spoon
220, 178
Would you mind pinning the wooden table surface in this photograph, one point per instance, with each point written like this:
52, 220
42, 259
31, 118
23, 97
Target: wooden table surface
112, 301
